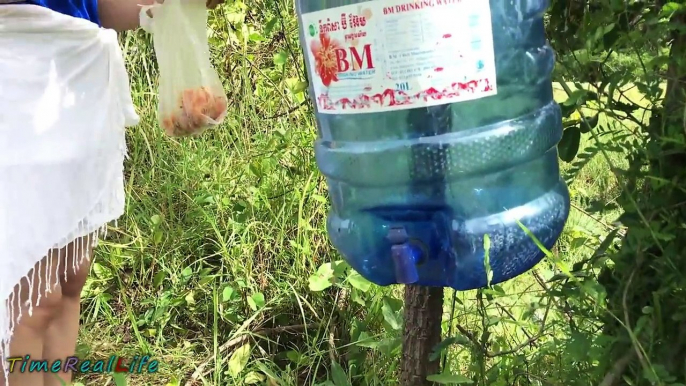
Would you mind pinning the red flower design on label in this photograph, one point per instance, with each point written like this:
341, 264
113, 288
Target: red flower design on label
325, 64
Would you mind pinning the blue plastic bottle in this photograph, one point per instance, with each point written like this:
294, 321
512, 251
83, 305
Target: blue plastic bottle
437, 126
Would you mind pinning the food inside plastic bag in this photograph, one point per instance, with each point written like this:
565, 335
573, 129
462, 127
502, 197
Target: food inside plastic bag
198, 109
191, 95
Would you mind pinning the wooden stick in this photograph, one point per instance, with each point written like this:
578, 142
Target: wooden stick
423, 313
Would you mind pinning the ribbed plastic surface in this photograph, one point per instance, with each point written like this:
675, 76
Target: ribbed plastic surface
447, 175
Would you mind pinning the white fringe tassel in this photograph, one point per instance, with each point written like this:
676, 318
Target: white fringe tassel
80, 245
82, 230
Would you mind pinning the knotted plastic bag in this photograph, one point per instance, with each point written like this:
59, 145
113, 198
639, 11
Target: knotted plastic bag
191, 96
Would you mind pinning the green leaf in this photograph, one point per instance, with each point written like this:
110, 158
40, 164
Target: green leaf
575, 97
227, 293
358, 298
449, 379
583, 56
157, 236
338, 375
204, 279
319, 198
390, 316
458, 339
159, 278
256, 301
256, 37
390, 347
365, 340
255, 168
569, 145
253, 378
589, 124
608, 28
269, 27
323, 279
280, 58
658, 62
273, 378
319, 283
358, 281
609, 239
294, 356
172, 382
119, 379
567, 111
299, 87
339, 267
670, 8
190, 298
238, 360
101, 272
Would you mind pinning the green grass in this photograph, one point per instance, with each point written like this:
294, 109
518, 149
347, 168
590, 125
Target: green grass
222, 232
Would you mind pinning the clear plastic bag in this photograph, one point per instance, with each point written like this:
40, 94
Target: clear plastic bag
191, 95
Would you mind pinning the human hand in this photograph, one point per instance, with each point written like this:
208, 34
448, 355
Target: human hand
212, 4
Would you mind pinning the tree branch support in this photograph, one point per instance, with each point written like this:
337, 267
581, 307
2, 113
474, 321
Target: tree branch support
423, 315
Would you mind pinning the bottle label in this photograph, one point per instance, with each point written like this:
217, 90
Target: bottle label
385, 55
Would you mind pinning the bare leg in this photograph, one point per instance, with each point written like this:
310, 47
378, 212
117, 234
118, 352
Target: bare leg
63, 331
29, 333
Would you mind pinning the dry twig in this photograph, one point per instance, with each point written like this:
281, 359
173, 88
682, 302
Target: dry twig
240, 340
529, 342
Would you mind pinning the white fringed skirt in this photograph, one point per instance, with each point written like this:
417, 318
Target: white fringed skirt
64, 106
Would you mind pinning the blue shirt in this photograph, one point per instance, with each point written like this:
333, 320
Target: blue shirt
83, 9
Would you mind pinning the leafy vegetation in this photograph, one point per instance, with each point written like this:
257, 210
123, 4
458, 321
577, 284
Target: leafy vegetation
221, 269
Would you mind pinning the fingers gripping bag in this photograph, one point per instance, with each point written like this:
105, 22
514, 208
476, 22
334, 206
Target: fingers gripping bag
191, 96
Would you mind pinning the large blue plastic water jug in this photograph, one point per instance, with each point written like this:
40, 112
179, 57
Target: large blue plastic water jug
437, 126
